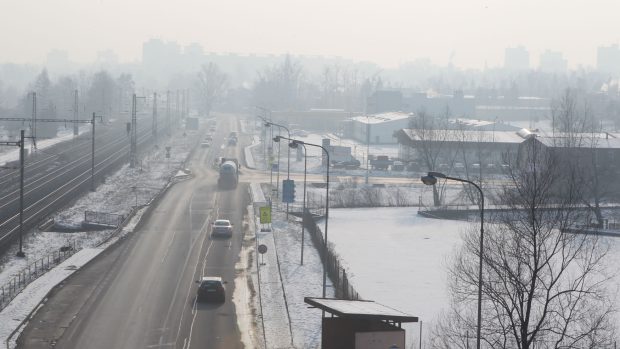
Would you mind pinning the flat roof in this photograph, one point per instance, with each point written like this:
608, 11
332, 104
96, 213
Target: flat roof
382, 117
472, 136
359, 309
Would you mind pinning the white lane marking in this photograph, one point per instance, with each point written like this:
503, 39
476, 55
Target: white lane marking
193, 244
169, 245
195, 305
189, 289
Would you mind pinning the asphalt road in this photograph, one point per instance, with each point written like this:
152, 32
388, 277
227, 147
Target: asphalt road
141, 293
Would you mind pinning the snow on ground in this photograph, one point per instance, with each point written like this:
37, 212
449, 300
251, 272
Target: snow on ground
300, 280
284, 282
397, 258
19, 309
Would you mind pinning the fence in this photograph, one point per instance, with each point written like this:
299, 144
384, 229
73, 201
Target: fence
102, 218
342, 286
12, 288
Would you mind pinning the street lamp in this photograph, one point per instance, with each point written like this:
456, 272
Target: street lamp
431, 179
294, 144
326, 206
288, 155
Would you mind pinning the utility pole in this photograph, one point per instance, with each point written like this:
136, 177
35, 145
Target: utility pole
187, 102
134, 134
367, 148
168, 113
92, 156
182, 106
155, 116
21, 253
76, 107
177, 109
33, 131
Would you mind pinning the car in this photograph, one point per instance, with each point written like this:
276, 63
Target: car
221, 227
208, 138
205, 144
232, 141
211, 289
398, 166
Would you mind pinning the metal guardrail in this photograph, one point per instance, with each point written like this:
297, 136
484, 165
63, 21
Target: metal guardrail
11, 289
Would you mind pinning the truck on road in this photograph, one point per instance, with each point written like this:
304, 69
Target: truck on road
229, 173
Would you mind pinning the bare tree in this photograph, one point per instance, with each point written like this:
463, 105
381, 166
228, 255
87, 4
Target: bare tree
433, 140
545, 285
212, 83
101, 93
580, 141
280, 86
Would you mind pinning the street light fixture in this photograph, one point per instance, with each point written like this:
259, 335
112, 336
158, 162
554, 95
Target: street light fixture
293, 144
431, 179
288, 155
294, 141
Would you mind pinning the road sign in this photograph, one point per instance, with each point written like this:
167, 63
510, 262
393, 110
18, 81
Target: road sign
262, 249
288, 190
265, 214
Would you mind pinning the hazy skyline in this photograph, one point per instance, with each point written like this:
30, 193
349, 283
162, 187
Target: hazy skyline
473, 33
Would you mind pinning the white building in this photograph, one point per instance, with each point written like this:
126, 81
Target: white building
377, 128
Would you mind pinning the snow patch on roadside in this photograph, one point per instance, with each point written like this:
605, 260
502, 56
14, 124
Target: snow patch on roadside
20, 308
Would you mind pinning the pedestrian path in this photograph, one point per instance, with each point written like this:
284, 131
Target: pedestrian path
275, 312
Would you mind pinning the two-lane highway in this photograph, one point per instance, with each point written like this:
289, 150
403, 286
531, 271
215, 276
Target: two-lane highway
142, 292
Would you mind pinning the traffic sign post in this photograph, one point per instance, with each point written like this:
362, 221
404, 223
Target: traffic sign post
262, 249
265, 214
288, 191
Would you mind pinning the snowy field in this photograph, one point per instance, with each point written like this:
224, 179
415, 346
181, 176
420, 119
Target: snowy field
397, 258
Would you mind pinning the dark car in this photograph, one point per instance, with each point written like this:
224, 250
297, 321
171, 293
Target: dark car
221, 227
211, 289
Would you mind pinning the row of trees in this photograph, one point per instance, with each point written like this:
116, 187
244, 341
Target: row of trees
100, 92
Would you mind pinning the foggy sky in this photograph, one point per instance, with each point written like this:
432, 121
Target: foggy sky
387, 32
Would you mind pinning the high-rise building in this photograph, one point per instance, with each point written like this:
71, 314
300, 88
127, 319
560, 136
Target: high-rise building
553, 62
160, 56
608, 59
516, 58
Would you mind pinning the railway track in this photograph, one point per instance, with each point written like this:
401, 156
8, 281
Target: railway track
54, 185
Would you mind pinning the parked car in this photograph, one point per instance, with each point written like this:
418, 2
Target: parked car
349, 165
211, 289
398, 166
221, 227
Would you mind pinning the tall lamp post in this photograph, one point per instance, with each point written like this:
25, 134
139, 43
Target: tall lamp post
296, 145
294, 141
431, 179
288, 155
